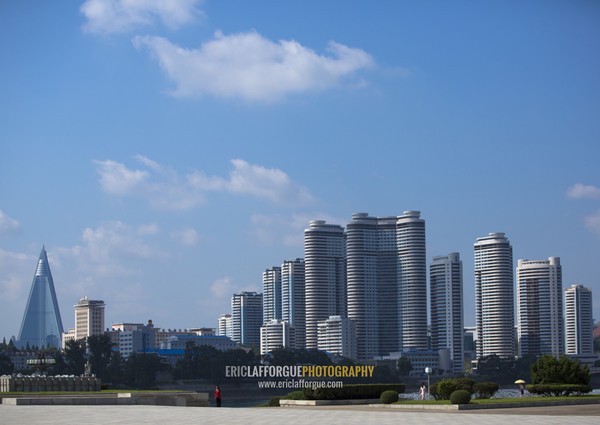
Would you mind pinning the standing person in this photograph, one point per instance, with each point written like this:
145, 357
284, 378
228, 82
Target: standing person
522, 389
218, 396
423, 391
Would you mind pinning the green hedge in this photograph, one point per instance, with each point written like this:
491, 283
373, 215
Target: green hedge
460, 397
389, 397
274, 402
485, 389
558, 389
352, 391
295, 395
441, 390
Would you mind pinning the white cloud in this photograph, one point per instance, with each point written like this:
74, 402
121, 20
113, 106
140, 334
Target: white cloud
278, 229
580, 191
158, 185
108, 248
117, 179
118, 16
153, 165
592, 222
223, 287
186, 237
148, 229
226, 287
164, 189
251, 67
7, 224
16, 270
271, 184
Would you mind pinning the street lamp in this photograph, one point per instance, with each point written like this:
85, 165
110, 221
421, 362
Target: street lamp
428, 372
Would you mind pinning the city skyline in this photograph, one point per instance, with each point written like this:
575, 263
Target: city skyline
166, 158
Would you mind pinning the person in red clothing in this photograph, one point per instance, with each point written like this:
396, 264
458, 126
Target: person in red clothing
218, 396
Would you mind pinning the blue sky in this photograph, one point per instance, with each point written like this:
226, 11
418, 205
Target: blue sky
166, 152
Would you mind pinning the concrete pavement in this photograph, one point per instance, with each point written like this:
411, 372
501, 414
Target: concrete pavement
343, 415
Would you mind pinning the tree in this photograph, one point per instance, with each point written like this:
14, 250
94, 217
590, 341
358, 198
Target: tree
100, 347
404, 366
549, 370
74, 356
199, 362
114, 372
313, 356
497, 369
282, 357
139, 370
58, 368
383, 374
300, 356
6, 366
522, 367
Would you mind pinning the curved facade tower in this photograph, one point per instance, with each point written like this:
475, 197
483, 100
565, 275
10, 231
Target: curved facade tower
412, 281
494, 293
539, 307
325, 275
387, 283
372, 267
42, 325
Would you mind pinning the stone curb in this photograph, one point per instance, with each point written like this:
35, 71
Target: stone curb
118, 399
485, 406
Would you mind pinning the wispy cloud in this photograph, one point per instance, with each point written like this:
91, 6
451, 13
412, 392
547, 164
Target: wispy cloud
271, 184
186, 237
117, 179
165, 189
7, 224
279, 229
252, 67
12, 283
580, 191
156, 184
106, 245
119, 16
225, 287
592, 222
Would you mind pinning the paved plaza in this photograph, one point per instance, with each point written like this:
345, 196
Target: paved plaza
102, 415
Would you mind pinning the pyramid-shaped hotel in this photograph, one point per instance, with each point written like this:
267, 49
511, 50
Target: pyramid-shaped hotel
42, 325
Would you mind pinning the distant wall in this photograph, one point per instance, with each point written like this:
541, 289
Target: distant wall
48, 383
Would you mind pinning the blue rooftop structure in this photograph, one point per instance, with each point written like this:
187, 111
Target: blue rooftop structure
42, 325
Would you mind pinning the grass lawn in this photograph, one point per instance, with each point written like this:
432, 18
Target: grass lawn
504, 400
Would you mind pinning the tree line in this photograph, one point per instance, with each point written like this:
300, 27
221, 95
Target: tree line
199, 362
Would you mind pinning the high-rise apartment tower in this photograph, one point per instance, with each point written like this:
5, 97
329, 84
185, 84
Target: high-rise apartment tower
293, 298
89, 318
246, 318
447, 323
272, 302
325, 275
412, 276
579, 322
494, 295
224, 325
387, 287
539, 307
